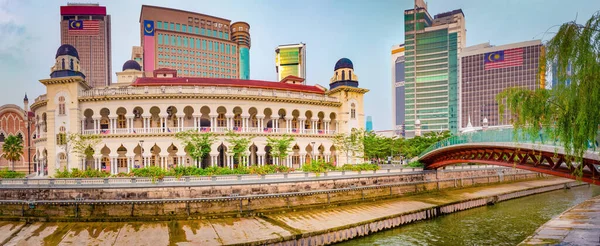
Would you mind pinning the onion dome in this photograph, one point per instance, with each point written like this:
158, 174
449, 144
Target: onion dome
67, 49
131, 64
343, 63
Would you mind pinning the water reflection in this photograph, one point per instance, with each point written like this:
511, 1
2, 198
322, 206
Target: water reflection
506, 223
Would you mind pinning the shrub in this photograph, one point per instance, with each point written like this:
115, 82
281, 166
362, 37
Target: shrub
76, 173
9, 174
360, 167
415, 164
318, 166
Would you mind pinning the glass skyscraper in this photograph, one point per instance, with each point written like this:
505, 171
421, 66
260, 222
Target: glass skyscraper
432, 46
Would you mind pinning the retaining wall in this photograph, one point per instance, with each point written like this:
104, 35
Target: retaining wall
201, 202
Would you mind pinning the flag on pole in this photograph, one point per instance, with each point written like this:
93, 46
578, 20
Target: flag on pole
84, 27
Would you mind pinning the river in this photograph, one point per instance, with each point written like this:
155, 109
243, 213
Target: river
505, 223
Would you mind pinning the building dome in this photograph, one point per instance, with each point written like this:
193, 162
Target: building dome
131, 64
343, 63
67, 49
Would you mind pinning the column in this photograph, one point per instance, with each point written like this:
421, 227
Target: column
314, 126
196, 122
82, 125
244, 123
302, 157
260, 123
96, 125
213, 123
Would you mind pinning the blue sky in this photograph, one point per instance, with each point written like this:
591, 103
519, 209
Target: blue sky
360, 30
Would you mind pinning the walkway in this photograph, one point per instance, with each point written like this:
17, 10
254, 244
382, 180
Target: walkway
580, 225
265, 229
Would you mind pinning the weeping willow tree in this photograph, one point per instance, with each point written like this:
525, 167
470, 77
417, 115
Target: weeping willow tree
570, 112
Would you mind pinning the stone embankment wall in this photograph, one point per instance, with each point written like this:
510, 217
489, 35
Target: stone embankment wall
126, 204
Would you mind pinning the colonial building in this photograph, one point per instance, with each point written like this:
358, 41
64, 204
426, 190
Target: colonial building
138, 116
13, 121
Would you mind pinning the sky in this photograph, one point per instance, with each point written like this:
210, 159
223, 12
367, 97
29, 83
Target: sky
363, 31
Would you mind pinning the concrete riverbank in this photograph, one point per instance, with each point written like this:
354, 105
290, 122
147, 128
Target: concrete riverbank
580, 225
308, 227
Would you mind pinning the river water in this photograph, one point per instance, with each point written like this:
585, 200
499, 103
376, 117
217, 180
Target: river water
505, 223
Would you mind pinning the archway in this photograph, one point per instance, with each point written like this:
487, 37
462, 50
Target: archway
222, 159
122, 160
253, 156
268, 157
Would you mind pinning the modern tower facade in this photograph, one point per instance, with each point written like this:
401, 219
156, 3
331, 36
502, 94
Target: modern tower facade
369, 124
487, 70
290, 59
196, 45
87, 28
432, 46
398, 91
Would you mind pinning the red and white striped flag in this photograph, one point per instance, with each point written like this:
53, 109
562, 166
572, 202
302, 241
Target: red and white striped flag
84, 27
503, 59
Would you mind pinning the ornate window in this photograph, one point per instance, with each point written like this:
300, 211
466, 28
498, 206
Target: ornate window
221, 120
353, 111
105, 162
307, 124
343, 75
122, 162
237, 120
61, 105
61, 137
295, 123
320, 124
1, 137
253, 121
121, 122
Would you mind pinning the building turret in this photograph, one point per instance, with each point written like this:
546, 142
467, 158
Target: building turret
67, 63
344, 74
131, 71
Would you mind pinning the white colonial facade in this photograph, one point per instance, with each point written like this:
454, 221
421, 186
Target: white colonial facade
138, 117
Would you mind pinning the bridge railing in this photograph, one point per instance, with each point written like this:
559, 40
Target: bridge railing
497, 136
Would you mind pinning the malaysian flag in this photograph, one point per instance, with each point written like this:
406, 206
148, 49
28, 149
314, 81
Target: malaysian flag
84, 27
267, 129
503, 59
204, 129
237, 129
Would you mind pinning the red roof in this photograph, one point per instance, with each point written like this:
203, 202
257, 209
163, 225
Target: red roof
292, 78
82, 10
147, 81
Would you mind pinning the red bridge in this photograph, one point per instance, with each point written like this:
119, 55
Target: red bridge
502, 149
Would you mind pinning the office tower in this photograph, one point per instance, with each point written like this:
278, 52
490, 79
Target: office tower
290, 59
369, 124
555, 80
398, 93
194, 44
487, 70
87, 28
432, 46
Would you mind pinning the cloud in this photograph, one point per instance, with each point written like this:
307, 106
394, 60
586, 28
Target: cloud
14, 38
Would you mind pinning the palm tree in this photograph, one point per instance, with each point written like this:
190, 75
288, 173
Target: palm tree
12, 149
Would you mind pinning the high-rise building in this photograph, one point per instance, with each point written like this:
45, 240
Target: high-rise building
432, 46
486, 70
369, 124
87, 28
398, 93
196, 45
290, 59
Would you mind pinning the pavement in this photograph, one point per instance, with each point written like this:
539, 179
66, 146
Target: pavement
225, 231
580, 225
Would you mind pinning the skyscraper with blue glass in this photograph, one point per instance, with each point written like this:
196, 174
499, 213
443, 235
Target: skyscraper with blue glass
432, 46
369, 124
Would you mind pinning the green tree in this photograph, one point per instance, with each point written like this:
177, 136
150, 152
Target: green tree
280, 147
197, 144
351, 144
569, 113
12, 149
238, 145
81, 145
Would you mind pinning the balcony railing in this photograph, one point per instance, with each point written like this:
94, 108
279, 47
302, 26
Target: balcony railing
206, 129
208, 90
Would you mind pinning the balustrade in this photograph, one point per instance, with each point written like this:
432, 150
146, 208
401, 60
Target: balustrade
209, 90
151, 130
